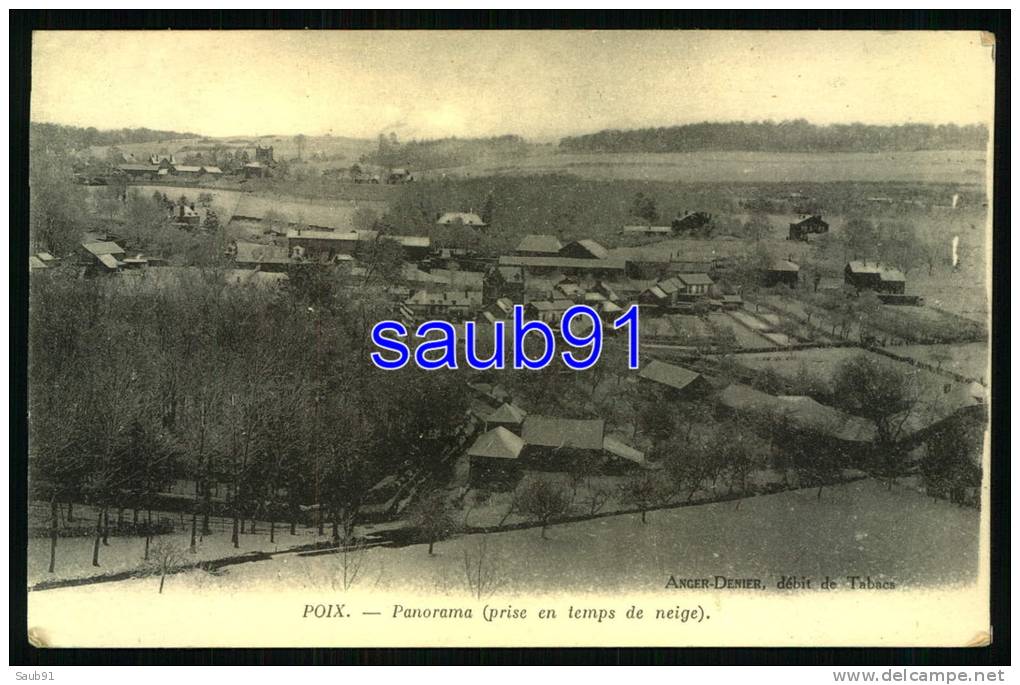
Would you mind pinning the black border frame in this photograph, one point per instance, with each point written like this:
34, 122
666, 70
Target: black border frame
23, 22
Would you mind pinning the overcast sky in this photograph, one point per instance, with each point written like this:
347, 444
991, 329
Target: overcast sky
540, 84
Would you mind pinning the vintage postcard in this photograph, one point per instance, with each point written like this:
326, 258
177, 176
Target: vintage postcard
500, 338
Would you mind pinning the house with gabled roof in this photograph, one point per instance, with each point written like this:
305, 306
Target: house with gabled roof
553, 443
495, 458
584, 249
104, 255
674, 381
538, 245
781, 272
509, 416
865, 275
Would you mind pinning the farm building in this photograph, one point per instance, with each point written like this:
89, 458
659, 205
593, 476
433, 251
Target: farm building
212, 170
552, 444
691, 221
880, 278
104, 256
313, 244
455, 304
415, 246
35, 264
781, 272
731, 302
509, 416
797, 414
162, 160
464, 218
682, 288
538, 246
255, 170
807, 225
694, 285
679, 383
138, 170
584, 249
263, 257
565, 265
187, 170
549, 311
495, 458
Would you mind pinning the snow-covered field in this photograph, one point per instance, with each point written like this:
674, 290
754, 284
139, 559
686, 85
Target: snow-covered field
859, 528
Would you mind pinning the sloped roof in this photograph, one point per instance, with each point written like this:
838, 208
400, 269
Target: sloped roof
885, 273
622, 450
545, 431
109, 261
669, 374
695, 279
591, 247
103, 247
539, 243
35, 263
254, 253
803, 412
188, 168
212, 170
507, 413
498, 443
563, 262
466, 218
783, 265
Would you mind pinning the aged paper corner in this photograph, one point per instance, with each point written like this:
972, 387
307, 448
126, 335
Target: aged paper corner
37, 637
987, 39
982, 638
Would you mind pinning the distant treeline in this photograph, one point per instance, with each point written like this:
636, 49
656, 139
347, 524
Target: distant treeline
785, 136
78, 138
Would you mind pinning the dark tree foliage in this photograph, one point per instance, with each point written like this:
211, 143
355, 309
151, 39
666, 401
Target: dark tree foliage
785, 136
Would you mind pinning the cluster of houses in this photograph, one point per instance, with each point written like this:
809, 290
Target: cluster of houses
512, 441
162, 166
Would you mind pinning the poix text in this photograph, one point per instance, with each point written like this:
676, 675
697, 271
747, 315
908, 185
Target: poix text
441, 352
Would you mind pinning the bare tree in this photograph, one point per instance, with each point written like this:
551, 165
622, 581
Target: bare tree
482, 568
165, 557
543, 500
644, 490
350, 559
432, 520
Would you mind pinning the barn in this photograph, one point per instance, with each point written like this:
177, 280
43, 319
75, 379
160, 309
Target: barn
864, 275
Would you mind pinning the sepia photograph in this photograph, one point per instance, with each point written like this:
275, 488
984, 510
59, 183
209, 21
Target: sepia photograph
440, 338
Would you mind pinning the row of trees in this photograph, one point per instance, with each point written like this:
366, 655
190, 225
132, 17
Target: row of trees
271, 397
786, 136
